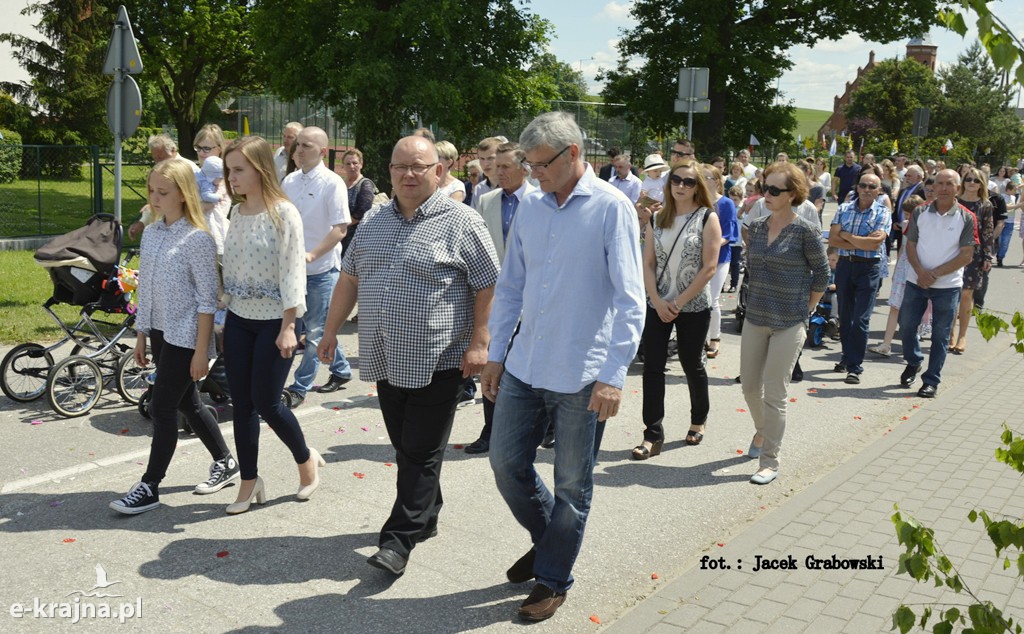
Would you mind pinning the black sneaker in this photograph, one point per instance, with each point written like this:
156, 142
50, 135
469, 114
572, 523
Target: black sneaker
222, 473
549, 438
141, 498
465, 399
839, 367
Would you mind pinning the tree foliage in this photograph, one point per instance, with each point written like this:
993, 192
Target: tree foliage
744, 45
67, 99
889, 93
1004, 47
385, 65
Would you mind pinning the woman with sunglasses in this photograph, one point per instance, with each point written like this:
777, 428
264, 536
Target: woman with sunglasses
974, 196
788, 272
681, 249
209, 143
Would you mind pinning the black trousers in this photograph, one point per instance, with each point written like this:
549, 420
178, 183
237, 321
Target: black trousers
691, 333
419, 421
173, 392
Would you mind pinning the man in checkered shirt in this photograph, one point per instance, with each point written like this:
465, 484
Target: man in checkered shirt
423, 270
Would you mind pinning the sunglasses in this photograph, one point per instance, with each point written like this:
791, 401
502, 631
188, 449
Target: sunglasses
680, 154
775, 191
688, 182
870, 186
202, 148
971, 179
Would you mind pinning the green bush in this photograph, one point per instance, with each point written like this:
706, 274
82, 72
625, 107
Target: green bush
135, 149
10, 156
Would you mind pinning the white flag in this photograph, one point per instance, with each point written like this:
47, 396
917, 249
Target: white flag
832, 148
753, 140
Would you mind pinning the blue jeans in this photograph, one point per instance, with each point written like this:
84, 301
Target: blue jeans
1005, 237
555, 522
856, 285
318, 299
944, 305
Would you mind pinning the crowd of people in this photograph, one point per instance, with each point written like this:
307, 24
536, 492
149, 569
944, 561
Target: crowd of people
543, 277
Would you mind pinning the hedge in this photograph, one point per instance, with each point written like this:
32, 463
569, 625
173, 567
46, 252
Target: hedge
10, 156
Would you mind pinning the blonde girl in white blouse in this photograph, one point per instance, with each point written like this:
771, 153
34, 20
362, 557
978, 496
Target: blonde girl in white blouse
177, 298
264, 291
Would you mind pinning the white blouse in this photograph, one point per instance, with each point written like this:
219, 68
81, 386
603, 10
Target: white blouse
264, 265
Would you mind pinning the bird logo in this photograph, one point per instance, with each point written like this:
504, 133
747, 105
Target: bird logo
101, 583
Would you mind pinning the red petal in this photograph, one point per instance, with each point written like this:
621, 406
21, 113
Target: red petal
856, 418
917, 407
69, 540
337, 409
388, 464
906, 418
458, 446
720, 544
125, 430
739, 451
812, 391
741, 410
654, 575
359, 475
593, 617
792, 400
222, 554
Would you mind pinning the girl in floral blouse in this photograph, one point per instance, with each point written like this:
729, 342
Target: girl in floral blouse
265, 291
177, 298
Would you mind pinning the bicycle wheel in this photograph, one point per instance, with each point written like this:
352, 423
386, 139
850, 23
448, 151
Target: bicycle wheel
74, 386
131, 378
23, 372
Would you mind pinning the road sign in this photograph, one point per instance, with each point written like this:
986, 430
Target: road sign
693, 105
123, 52
131, 108
920, 127
693, 83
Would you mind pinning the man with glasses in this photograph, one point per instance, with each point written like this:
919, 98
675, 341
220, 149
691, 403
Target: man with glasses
858, 230
683, 149
623, 178
572, 281
423, 269
321, 197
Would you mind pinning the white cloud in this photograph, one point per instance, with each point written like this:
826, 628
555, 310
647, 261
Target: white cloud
618, 12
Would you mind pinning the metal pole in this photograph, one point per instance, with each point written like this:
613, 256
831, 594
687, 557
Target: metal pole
118, 88
97, 180
693, 102
39, 189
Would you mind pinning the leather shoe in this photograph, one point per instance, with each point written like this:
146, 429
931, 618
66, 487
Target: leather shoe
522, 570
333, 384
480, 445
387, 559
426, 533
542, 603
927, 391
909, 375
549, 439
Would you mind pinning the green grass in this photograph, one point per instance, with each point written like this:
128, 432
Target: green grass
65, 204
808, 122
26, 286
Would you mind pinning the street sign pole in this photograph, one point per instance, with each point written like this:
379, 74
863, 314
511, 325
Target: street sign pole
124, 101
118, 87
693, 95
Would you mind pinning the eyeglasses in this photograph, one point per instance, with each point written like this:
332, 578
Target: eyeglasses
545, 164
971, 179
930, 181
678, 153
416, 169
202, 148
871, 186
687, 182
776, 191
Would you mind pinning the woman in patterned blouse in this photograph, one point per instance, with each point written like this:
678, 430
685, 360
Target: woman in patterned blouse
974, 196
265, 291
787, 271
680, 258
177, 298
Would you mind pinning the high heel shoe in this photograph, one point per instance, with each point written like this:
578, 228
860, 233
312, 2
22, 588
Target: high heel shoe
643, 452
258, 494
305, 492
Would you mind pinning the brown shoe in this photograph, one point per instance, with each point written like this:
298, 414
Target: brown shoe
522, 570
542, 603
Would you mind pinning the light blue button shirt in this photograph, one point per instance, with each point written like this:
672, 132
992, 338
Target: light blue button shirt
573, 275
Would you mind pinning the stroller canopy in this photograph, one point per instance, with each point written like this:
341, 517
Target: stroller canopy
99, 242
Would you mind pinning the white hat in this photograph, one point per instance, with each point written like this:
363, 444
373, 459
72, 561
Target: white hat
654, 161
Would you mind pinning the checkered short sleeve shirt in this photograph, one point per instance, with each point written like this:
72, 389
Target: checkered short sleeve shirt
418, 280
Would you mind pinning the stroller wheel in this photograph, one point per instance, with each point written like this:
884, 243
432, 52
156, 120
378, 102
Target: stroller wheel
816, 335
144, 404
131, 378
24, 371
74, 386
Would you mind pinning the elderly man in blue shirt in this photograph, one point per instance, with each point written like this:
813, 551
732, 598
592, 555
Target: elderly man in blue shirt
859, 230
572, 279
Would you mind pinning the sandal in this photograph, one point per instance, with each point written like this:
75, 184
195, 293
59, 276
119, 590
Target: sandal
694, 438
643, 452
712, 352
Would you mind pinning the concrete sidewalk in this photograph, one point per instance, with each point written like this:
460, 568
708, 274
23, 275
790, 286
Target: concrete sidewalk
936, 469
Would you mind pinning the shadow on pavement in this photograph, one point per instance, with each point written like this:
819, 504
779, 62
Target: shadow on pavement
655, 476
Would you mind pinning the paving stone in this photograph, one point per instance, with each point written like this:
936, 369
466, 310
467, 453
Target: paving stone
842, 607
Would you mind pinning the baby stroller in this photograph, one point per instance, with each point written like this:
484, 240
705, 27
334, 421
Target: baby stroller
822, 323
84, 268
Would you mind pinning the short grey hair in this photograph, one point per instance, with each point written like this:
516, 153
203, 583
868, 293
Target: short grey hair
163, 141
554, 129
916, 169
517, 152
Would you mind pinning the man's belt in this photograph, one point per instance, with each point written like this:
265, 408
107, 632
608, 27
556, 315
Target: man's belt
857, 258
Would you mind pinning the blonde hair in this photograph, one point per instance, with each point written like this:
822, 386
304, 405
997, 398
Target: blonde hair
214, 134
701, 193
982, 183
180, 173
257, 152
717, 173
446, 151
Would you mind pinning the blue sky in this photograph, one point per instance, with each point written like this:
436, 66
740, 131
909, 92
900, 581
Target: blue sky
586, 32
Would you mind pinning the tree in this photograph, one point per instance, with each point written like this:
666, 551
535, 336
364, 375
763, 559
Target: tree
196, 51
889, 92
67, 101
385, 65
567, 82
743, 44
1004, 48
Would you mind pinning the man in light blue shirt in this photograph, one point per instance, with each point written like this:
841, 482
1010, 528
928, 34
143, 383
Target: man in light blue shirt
572, 279
625, 180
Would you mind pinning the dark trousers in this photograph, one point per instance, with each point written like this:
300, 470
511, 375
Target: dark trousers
419, 421
256, 376
691, 333
173, 392
856, 285
734, 265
